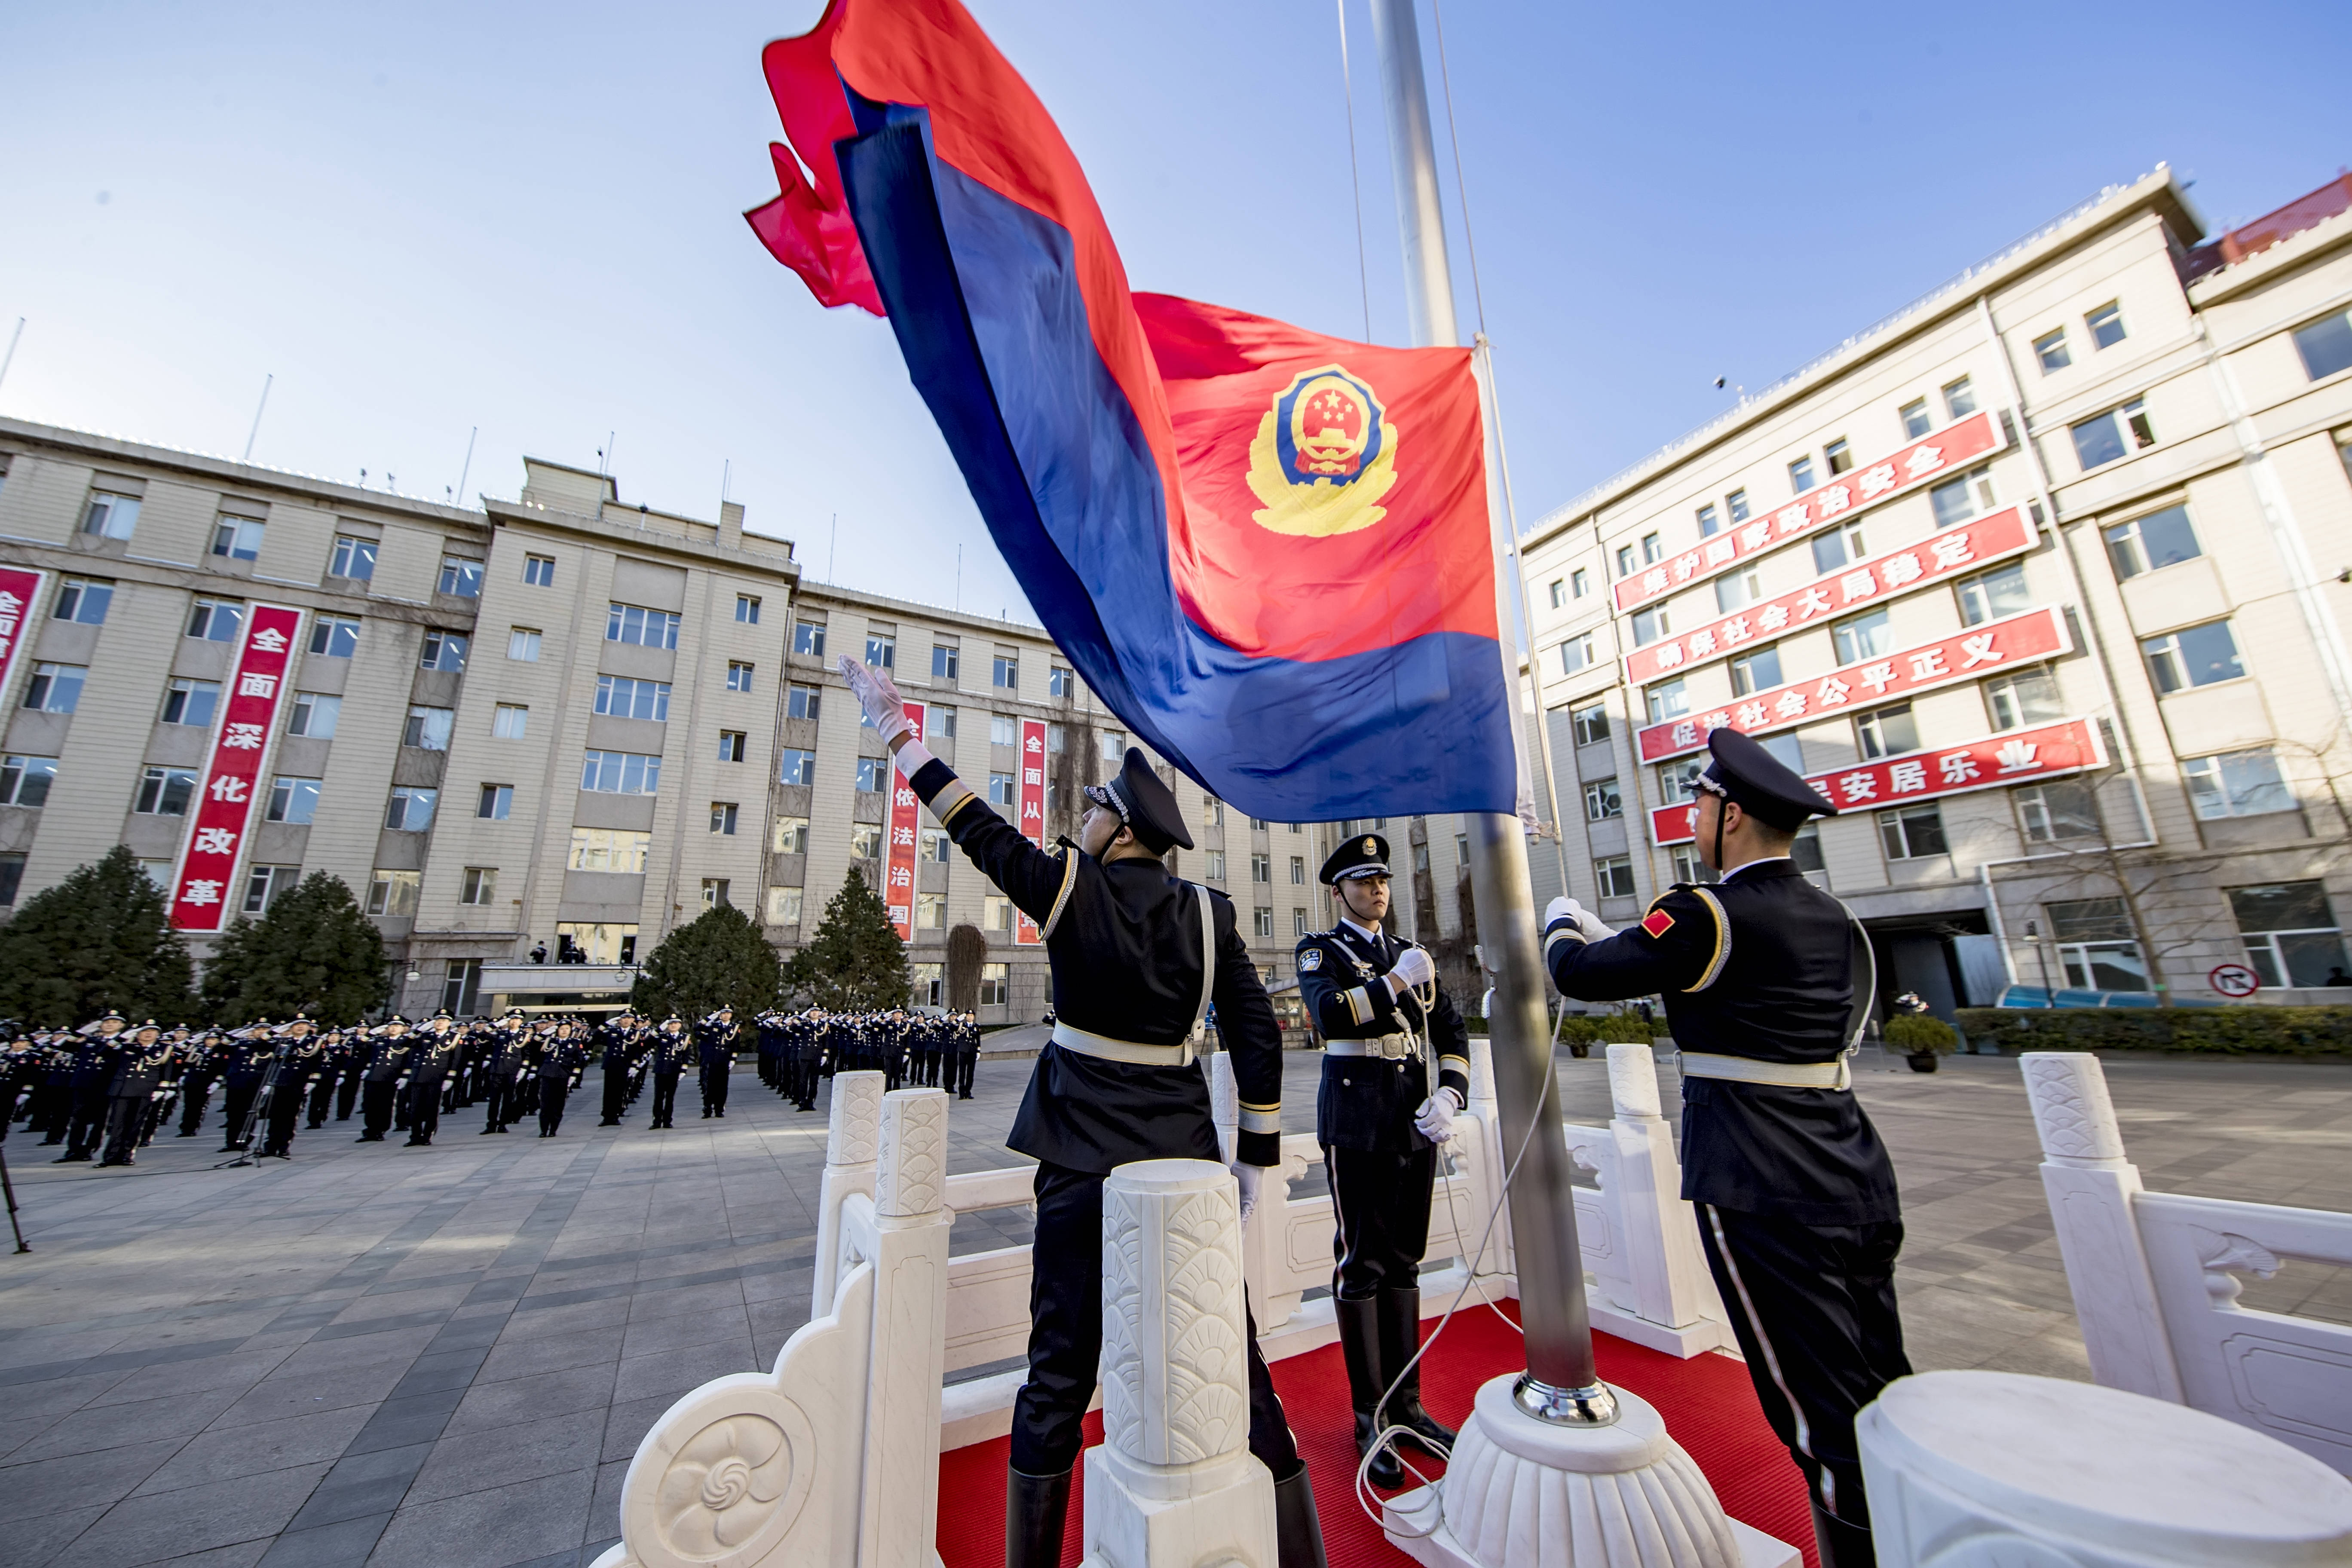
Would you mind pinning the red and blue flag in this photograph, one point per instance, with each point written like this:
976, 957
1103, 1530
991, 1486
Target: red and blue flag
1269, 551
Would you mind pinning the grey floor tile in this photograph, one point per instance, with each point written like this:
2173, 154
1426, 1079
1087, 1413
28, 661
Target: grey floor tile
79, 1480
212, 1457
490, 1528
529, 1347
285, 1394
345, 1545
526, 1450
195, 1519
679, 1372
32, 1542
561, 1392
705, 1325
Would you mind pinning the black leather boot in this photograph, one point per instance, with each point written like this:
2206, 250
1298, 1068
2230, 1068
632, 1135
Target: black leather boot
1359, 1346
1034, 1510
1841, 1545
1400, 1338
1297, 1532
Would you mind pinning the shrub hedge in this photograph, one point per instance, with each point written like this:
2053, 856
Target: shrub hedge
1907, 1032
2218, 1031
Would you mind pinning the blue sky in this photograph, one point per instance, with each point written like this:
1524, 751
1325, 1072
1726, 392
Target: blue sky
434, 217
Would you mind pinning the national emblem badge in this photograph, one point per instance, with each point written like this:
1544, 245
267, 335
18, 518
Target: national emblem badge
1324, 456
1372, 846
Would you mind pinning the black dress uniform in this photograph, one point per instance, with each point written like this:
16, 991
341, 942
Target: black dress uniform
139, 1067
1796, 1196
559, 1066
298, 1054
714, 1042
430, 1063
387, 1065
1118, 1083
1375, 1079
673, 1049
620, 1041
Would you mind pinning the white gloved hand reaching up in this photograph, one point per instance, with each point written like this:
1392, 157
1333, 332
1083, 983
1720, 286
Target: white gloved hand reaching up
878, 694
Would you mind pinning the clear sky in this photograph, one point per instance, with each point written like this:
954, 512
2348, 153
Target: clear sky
430, 216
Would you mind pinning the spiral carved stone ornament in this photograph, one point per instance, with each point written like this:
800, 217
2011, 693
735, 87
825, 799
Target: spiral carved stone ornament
722, 1487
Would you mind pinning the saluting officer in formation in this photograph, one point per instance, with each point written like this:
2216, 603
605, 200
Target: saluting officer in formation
673, 1051
1796, 1196
714, 1042
1137, 956
1385, 1021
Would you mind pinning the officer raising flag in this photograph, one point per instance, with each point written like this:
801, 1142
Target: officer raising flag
1795, 1192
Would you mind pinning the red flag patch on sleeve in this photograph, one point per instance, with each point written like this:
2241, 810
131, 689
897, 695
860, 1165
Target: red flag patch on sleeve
1657, 923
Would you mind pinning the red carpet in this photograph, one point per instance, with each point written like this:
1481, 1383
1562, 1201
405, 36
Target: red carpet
1707, 1403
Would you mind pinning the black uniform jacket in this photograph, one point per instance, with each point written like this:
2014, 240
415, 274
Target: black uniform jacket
1366, 1102
1124, 943
1758, 965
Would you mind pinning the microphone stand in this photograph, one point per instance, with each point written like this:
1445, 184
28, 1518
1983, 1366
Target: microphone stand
245, 1155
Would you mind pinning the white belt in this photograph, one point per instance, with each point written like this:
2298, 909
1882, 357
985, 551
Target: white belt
1835, 1074
1393, 1046
1070, 1037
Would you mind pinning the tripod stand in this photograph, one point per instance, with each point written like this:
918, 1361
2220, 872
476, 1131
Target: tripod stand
252, 1118
9, 1188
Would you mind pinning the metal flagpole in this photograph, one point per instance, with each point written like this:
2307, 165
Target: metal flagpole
1561, 1383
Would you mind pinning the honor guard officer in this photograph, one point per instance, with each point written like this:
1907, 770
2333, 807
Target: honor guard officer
1137, 956
1375, 999
1795, 1192
673, 1049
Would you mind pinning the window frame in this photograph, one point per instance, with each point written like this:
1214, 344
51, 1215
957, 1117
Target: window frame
461, 576
1608, 871
1603, 801
76, 594
2164, 653
539, 571
1901, 830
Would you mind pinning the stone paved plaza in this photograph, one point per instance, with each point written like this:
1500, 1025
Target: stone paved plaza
443, 1357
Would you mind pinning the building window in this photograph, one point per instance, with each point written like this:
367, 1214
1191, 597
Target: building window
1299, 870
1114, 746
1805, 849
1421, 857
1602, 801
263, 886
1650, 624
1462, 849
1867, 635
935, 846
460, 578
1576, 654
479, 885
1710, 521
427, 728
941, 724
722, 818
2325, 345
1957, 501
1959, 398
1625, 560
1838, 547
931, 911
714, 893
619, 696
1839, 455
291, 800
1559, 592
808, 637
1613, 877
1262, 921
2292, 938
1736, 503
791, 836
1757, 671
2149, 543
1668, 700
1914, 833
747, 609
793, 767
2106, 325
1298, 922
2101, 438
1677, 782
1216, 865
461, 987
25, 780
640, 626
166, 792
2050, 348
444, 650
510, 721
1006, 673
55, 688
523, 645
353, 557
995, 912
874, 774
393, 893
494, 801
2237, 783
882, 650
610, 850
1653, 549
947, 658
410, 810
1689, 867
999, 789
110, 516
620, 773
1589, 724
315, 715
191, 702
1579, 583
1060, 682
2194, 655
2097, 950
1735, 591
215, 620
1800, 475
1887, 732
783, 906
2056, 812
1990, 596
82, 599
2027, 697
539, 571
1262, 869
598, 943
1916, 420
739, 676
1003, 729
995, 985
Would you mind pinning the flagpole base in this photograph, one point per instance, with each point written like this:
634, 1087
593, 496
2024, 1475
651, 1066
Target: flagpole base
1522, 1492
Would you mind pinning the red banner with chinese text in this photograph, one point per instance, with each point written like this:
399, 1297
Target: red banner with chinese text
1966, 655
232, 785
1940, 558
20, 590
905, 825
1930, 459
1029, 792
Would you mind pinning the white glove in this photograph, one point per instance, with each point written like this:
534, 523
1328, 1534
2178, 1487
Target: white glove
878, 695
1433, 1120
1413, 968
1587, 925
1559, 909
1249, 1176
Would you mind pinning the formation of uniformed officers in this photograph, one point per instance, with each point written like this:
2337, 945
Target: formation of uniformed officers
914, 1050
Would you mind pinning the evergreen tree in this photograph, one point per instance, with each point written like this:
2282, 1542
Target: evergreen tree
100, 939
716, 960
313, 951
855, 959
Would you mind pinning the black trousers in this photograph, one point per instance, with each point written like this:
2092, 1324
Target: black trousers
322, 1097
1065, 1338
347, 1093
237, 1107
553, 1093
961, 1079
424, 1112
375, 1107
616, 1092
195, 1089
498, 1096
664, 1098
1814, 1307
714, 1090
126, 1116
1382, 1204
285, 1111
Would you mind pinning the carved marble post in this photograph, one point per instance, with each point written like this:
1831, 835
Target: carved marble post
2091, 1187
1173, 1481
898, 1523
853, 1145
1671, 1285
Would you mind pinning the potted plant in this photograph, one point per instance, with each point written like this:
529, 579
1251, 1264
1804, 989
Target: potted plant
1921, 1039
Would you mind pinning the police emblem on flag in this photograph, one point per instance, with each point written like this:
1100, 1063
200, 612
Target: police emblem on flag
1324, 456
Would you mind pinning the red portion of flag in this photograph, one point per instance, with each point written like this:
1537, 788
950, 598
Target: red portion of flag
1657, 923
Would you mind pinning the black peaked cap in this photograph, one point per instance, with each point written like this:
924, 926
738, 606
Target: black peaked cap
1144, 803
1758, 782
1367, 856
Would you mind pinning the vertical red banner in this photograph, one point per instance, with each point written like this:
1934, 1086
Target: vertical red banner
233, 787
20, 590
1029, 790
906, 825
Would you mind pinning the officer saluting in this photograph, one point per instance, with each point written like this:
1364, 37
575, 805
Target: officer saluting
1137, 957
1380, 1123
1795, 1192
